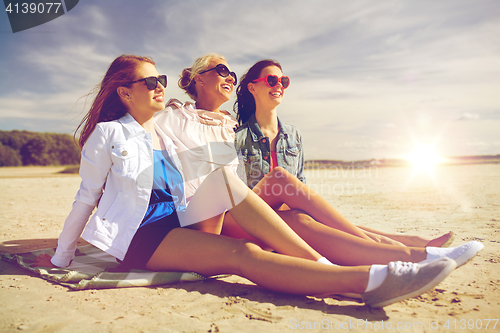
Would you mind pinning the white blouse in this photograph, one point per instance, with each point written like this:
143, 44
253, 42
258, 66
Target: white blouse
204, 141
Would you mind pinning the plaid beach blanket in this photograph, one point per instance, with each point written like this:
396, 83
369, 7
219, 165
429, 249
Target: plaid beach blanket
93, 269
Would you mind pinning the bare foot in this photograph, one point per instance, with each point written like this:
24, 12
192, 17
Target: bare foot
412, 240
420, 241
43, 260
443, 241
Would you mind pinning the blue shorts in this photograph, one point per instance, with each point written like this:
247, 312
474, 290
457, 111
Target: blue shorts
145, 242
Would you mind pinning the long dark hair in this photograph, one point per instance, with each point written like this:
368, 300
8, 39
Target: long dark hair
107, 105
244, 107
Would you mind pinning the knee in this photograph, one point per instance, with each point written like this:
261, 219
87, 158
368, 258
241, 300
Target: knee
279, 172
246, 249
300, 217
279, 175
243, 255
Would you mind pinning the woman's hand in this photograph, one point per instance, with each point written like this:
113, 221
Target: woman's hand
43, 260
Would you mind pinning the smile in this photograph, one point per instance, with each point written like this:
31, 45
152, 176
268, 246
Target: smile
275, 94
158, 98
226, 87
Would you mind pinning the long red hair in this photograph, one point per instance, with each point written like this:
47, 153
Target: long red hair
107, 105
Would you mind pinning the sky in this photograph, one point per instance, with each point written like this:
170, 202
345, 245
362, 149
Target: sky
369, 79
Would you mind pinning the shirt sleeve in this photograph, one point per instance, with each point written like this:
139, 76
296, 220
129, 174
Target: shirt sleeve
94, 167
73, 228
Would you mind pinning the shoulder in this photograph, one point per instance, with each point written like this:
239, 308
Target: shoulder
242, 128
175, 114
174, 104
226, 113
290, 130
109, 124
229, 118
102, 133
107, 127
123, 127
242, 131
241, 136
167, 113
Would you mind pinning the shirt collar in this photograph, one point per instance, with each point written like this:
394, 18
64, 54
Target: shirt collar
256, 132
131, 125
283, 130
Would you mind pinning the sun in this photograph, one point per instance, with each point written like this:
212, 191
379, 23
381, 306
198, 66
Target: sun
424, 158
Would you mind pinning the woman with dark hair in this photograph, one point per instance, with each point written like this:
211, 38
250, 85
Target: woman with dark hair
262, 138
264, 143
131, 173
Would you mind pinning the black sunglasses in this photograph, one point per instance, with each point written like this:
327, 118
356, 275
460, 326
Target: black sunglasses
223, 71
152, 82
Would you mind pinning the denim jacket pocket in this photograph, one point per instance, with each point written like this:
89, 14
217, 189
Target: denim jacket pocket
292, 155
293, 151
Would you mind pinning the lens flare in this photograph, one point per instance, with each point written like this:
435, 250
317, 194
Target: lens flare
424, 158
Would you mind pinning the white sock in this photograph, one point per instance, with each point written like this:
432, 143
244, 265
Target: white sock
378, 274
325, 261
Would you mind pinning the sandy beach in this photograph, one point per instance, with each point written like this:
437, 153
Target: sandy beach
34, 202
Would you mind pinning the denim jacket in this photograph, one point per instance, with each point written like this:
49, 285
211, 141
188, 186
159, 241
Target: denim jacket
254, 150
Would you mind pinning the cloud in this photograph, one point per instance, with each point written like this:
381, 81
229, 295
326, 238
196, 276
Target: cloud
468, 116
357, 68
40, 113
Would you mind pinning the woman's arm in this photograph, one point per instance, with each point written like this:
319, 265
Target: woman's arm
94, 168
72, 230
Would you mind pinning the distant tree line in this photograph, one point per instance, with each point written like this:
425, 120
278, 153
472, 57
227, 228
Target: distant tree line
30, 148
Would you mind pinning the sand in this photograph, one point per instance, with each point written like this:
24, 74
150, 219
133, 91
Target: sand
465, 199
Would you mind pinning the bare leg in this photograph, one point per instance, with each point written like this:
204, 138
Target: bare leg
410, 240
379, 238
208, 254
231, 229
337, 246
251, 213
345, 249
279, 186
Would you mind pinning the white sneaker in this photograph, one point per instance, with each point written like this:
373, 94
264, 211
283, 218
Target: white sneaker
461, 254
